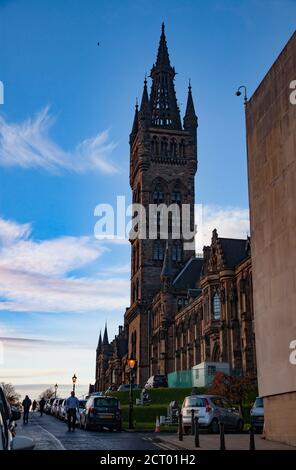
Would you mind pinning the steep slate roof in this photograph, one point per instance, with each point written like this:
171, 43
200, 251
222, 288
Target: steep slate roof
188, 276
234, 251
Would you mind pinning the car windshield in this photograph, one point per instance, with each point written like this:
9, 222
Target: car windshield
102, 402
259, 403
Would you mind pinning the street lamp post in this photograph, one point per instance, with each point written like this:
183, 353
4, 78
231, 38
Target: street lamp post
132, 363
74, 378
55, 390
238, 93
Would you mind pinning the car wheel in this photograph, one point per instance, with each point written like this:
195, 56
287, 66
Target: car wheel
239, 426
186, 429
214, 427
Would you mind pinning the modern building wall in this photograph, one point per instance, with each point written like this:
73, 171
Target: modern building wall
271, 140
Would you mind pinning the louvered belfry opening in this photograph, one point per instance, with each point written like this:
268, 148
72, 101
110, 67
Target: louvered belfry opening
163, 103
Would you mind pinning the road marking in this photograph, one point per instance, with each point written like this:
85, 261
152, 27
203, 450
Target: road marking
55, 439
158, 444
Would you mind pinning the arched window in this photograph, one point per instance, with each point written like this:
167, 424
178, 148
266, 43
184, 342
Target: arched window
176, 197
134, 343
182, 148
158, 251
137, 194
216, 306
158, 195
177, 251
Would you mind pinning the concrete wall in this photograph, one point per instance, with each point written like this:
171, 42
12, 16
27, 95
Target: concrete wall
271, 138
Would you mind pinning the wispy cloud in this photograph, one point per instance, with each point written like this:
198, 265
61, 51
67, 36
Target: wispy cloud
28, 145
26, 373
230, 222
35, 276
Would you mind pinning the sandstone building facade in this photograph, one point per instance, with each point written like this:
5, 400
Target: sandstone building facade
271, 135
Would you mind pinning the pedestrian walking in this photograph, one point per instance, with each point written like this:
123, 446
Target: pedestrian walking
72, 406
41, 406
26, 406
34, 405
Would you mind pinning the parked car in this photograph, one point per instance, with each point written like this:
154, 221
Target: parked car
55, 406
211, 410
126, 387
157, 381
101, 411
8, 416
62, 412
82, 404
257, 414
48, 405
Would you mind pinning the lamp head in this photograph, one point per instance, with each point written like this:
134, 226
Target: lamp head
238, 93
131, 362
74, 378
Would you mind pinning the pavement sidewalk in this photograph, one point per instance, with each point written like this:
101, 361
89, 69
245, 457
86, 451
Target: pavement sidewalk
212, 442
44, 440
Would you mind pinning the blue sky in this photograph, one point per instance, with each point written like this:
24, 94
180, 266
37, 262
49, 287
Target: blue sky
64, 130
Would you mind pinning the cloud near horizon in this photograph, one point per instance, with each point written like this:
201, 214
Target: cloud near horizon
29, 145
35, 276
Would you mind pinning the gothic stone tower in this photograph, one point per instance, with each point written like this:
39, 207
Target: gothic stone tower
163, 163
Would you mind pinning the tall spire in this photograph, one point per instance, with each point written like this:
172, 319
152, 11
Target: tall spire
136, 121
105, 338
99, 347
190, 118
145, 111
163, 102
163, 53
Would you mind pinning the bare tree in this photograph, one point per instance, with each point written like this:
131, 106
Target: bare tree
12, 396
48, 393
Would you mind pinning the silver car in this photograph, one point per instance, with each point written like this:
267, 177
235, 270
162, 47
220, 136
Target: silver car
211, 410
257, 414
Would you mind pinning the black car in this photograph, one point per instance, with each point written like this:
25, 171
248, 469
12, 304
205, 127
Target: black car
8, 416
157, 381
101, 411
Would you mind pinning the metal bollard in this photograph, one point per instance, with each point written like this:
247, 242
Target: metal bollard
222, 437
192, 422
196, 432
180, 427
252, 439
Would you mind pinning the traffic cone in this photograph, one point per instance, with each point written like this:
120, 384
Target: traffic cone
157, 425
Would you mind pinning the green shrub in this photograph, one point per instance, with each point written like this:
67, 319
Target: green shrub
159, 396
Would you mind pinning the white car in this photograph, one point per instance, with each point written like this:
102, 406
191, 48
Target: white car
55, 406
81, 409
211, 410
62, 413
